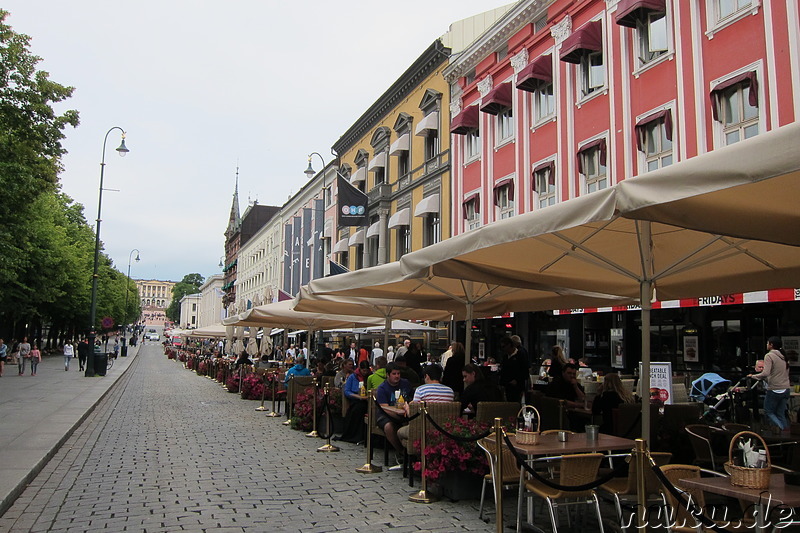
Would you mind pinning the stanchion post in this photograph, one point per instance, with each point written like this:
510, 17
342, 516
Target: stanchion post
497, 482
328, 447
289, 406
640, 451
241, 381
368, 467
423, 496
263, 391
313, 410
272, 413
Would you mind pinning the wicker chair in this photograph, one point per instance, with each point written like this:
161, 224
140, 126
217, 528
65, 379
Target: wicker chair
623, 488
488, 411
510, 475
682, 520
375, 430
296, 386
577, 469
441, 412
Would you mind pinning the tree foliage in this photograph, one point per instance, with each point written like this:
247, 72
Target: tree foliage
190, 284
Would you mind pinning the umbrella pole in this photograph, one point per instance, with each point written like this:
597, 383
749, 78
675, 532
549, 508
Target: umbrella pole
468, 340
645, 249
387, 325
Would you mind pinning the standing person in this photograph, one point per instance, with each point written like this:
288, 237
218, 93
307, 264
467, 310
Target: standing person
377, 351
390, 353
455, 364
3, 356
776, 376
513, 371
414, 358
24, 354
83, 353
116, 348
353, 351
14, 347
445, 356
404, 348
69, 353
36, 358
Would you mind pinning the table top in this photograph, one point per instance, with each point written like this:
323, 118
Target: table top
549, 444
777, 493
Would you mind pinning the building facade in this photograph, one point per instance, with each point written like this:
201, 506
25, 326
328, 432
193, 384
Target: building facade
190, 307
562, 98
210, 308
154, 296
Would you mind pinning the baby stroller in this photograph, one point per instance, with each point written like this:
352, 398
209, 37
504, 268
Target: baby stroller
725, 401
707, 387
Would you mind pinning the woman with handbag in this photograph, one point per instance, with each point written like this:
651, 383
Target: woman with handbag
776, 377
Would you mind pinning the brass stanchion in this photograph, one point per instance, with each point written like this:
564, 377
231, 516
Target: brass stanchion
423, 496
368, 467
289, 406
313, 410
241, 381
328, 447
263, 390
640, 451
497, 483
272, 413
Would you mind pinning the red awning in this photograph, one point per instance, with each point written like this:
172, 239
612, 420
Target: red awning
629, 12
497, 100
472, 198
538, 70
466, 121
664, 115
587, 38
551, 177
507, 182
600, 144
748, 77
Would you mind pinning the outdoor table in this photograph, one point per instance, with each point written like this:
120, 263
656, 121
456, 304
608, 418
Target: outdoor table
777, 494
549, 445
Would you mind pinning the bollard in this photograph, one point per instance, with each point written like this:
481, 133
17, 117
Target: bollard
314, 411
423, 496
328, 447
640, 453
368, 467
272, 413
263, 391
497, 483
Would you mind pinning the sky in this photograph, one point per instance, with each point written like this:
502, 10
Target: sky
202, 88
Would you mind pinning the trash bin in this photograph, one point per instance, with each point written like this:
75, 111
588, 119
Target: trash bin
100, 363
124, 350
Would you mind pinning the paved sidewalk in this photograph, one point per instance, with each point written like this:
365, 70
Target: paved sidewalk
40, 412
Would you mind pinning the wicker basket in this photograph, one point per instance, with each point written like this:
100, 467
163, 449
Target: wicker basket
528, 437
742, 476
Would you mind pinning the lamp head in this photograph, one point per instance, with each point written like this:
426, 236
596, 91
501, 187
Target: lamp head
137, 257
122, 150
309, 172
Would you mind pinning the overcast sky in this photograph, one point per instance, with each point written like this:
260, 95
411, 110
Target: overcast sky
201, 87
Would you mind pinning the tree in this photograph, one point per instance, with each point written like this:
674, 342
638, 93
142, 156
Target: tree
190, 284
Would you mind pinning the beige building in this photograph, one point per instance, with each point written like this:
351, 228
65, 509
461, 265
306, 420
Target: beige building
190, 309
210, 310
155, 296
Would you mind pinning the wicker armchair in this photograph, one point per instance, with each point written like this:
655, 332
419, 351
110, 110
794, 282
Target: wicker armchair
296, 386
577, 469
682, 520
510, 474
488, 411
375, 430
624, 488
441, 412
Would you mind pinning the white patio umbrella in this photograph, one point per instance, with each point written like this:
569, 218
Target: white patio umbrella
589, 244
216, 331
252, 345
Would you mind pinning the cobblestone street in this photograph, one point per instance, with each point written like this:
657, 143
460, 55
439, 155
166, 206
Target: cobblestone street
167, 450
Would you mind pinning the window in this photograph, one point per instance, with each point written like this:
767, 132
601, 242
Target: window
544, 102
194, 307
592, 165
505, 125
592, 72
544, 184
344, 259
653, 41
472, 212
504, 198
735, 106
403, 241
403, 163
433, 230
726, 8
431, 144
654, 140
502, 52
372, 250
472, 145
359, 256
380, 175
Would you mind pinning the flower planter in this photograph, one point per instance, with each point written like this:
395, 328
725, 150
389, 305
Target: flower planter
458, 486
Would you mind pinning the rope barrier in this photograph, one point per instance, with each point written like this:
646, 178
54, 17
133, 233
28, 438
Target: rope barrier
457, 438
523, 463
689, 505
409, 419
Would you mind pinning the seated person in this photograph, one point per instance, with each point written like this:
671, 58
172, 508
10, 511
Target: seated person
242, 360
477, 389
612, 394
566, 386
341, 376
407, 372
390, 416
379, 376
431, 391
354, 428
299, 369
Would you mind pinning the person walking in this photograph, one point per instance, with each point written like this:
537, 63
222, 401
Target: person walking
776, 376
36, 358
3, 356
69, 353
23, 355
83, 352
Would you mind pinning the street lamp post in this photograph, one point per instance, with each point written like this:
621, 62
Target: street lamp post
125, 318
122, 150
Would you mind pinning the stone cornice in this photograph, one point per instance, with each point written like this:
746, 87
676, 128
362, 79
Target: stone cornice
509, 24
424, 66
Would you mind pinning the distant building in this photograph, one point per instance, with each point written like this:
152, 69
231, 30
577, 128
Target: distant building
189, 311
155, 296
210, 310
